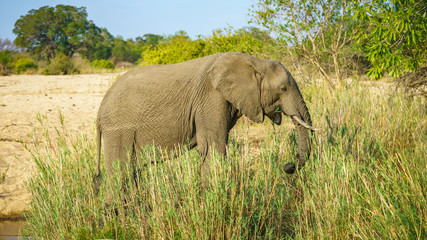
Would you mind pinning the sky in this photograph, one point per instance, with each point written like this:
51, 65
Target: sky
132, 18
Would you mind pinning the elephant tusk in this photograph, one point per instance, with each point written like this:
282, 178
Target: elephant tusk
304, 124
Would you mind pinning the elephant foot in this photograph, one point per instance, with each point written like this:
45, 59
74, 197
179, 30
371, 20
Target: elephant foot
289, 168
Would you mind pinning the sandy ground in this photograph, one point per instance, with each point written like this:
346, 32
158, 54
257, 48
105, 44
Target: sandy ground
76, 97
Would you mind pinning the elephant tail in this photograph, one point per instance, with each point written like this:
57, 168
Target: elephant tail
97, 177
98, 147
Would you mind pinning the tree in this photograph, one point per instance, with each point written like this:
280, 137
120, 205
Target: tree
394, 35
51, 30
149, 39
125, 51
6, 44
98, 44
318, 31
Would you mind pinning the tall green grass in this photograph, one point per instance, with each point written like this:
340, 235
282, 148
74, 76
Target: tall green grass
365, 179
368, 175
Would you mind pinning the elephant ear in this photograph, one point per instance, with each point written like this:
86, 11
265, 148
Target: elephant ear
235, 77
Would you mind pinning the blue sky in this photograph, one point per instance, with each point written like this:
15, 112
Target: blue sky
132, 18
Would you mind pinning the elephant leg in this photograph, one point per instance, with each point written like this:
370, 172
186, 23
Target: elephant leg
206, 142
117, 147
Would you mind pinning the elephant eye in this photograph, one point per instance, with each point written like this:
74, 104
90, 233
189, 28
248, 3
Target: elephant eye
284, 89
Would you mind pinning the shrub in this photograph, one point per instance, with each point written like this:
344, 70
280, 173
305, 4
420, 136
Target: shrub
60, 65
249, 41
5, 60
179, 47
175, 49
24, 64
102, 63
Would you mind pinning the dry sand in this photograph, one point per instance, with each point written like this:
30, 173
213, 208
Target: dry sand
76, 97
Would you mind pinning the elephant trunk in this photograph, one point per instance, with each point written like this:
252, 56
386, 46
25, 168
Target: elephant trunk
303, 124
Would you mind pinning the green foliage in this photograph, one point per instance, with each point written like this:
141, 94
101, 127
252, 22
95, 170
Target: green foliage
103, 64
131, 50
250, 41
12, 61
365, 179
394, 35
98, 44
390, 34
174, 49
23, 64
149, 39
126, 51
6, 56
60, 65
51, 30
180, 47
5, 62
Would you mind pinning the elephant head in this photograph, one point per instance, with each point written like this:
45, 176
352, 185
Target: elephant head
258, 87
280, 94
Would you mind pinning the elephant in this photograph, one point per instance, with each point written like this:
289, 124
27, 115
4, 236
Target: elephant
197, 102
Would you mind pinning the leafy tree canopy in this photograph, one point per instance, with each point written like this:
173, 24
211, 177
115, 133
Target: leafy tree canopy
150, 39
130, 50
47, 31
394, 36
98, 44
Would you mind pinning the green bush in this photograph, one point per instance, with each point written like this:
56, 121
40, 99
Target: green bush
61, 65
180, 47
245, 41
102, 63
175, 49
5, 60
24, 64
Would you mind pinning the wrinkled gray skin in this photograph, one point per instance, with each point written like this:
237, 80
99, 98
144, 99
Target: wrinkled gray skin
197, 102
